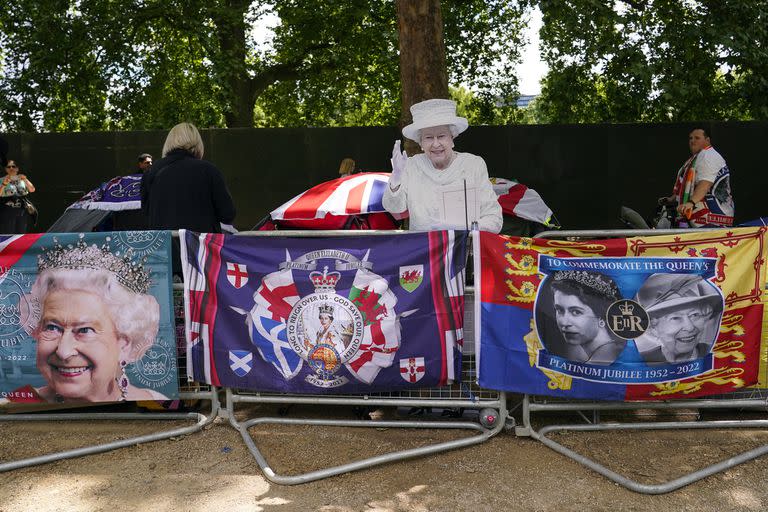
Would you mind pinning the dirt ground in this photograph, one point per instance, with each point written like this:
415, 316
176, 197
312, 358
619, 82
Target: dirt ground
212, 470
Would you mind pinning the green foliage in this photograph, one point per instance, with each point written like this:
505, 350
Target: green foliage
73, 65
354, 69
666, 60
483, 45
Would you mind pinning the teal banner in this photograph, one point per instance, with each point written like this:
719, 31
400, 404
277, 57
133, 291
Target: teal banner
87, 318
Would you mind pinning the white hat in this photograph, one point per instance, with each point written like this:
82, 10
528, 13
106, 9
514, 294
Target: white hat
429, 113
661, 292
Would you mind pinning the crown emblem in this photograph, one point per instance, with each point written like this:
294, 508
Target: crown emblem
626, 308
326, 281
325, 309
129, 273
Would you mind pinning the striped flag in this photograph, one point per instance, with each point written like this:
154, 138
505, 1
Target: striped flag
356, 194
520, 201
202, 262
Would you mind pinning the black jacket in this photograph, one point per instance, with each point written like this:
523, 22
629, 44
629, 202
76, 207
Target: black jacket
182, 192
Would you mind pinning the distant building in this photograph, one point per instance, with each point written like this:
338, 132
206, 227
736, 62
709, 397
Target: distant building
525, 99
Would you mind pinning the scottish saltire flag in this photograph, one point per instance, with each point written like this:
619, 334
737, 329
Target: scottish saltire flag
644, 318
324, 315
119, 193
87, 318
520, 201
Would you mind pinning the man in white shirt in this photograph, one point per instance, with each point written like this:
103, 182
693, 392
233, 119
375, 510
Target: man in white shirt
702, 187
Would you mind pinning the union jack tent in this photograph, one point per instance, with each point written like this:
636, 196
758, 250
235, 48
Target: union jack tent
354, 202
351, 202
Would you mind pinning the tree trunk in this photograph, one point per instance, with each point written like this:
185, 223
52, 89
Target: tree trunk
423, 71
231, 29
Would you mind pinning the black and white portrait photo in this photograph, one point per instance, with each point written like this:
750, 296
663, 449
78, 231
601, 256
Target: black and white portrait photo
571, 316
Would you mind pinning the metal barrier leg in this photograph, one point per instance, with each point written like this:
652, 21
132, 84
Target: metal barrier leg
671, 485
201, 420
270, 474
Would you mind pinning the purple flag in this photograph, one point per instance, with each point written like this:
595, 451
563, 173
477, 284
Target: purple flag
117, 194
324, 315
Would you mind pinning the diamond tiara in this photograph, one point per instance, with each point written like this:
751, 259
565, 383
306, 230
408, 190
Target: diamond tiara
130, 274
597, 282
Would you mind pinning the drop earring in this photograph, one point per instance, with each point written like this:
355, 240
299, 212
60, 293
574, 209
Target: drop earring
122, 381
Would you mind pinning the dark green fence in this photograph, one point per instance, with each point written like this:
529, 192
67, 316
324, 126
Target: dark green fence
584, 172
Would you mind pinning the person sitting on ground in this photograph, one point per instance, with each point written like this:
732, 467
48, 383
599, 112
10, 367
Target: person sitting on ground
440, 188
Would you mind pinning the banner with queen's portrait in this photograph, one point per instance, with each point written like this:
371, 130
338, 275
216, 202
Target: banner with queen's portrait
643, 318
86, 318
324, 315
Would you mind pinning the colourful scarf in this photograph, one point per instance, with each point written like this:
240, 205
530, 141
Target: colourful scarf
684, 184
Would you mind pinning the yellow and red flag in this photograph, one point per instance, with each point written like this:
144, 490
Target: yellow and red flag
643, 318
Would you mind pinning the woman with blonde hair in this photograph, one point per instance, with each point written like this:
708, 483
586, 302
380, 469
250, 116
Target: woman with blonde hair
183, 191
347, 167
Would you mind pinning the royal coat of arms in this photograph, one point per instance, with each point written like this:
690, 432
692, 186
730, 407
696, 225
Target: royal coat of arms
346, 326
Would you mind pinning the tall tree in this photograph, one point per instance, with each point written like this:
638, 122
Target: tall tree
654, 61
142, 64
423, 72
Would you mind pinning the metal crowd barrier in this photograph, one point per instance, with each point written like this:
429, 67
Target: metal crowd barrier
748, 399
188, 392
464, 394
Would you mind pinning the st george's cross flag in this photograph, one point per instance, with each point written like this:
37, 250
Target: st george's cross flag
325, 314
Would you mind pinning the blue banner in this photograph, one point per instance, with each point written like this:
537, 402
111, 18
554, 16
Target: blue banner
623, 318
324, 315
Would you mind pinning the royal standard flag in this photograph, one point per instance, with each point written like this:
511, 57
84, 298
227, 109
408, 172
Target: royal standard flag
645, 318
